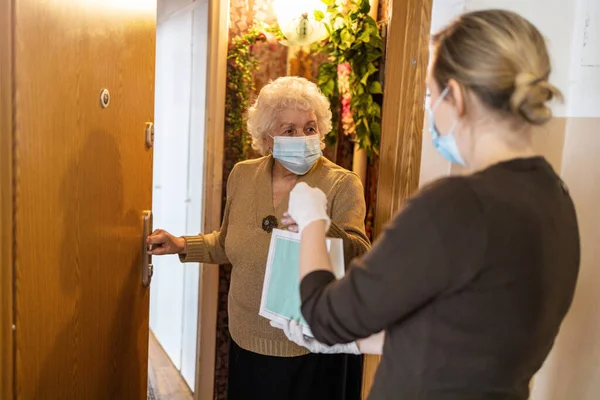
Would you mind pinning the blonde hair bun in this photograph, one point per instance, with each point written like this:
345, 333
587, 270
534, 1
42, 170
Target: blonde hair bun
530, 97
500, 57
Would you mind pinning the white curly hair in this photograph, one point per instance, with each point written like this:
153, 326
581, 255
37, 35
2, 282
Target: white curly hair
284, 93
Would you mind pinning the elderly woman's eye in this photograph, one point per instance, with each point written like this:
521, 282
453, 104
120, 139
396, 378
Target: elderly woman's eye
311, 129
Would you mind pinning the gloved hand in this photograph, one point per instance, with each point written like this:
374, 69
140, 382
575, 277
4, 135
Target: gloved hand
293, 331
306, 205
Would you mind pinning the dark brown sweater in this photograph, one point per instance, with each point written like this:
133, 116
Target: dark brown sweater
471, 282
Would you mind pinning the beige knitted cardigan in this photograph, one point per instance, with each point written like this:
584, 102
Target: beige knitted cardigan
243, 243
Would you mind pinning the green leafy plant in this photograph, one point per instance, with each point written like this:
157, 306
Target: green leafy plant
353, 37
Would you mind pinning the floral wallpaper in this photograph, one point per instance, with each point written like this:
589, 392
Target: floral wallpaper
222, 346
272, 64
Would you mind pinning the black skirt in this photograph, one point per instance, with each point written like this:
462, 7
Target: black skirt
311, 377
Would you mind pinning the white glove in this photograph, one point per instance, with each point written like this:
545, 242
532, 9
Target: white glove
293, 331
308, 205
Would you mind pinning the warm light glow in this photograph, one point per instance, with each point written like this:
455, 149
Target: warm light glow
297, 22
135, 5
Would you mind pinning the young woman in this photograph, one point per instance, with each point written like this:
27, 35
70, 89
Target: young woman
472, 280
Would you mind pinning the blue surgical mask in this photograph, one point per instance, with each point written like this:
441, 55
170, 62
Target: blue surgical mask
446, 144
297, 154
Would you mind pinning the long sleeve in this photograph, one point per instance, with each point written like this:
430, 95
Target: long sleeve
433, 246
210, 248
348, 211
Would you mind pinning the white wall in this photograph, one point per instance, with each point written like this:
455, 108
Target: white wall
572, 371
571, 143
178, 172
572, 31
560, 23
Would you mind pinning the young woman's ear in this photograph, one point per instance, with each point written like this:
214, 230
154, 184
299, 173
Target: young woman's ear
457, 96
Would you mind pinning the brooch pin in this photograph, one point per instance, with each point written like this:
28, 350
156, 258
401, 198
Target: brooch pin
269, 223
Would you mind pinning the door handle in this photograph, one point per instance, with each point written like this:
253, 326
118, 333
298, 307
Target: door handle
147, 268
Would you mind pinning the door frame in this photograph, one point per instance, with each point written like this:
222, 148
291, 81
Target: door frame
218, 34
407, 56
6, 201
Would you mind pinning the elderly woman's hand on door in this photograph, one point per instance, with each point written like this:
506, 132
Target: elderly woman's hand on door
161, 242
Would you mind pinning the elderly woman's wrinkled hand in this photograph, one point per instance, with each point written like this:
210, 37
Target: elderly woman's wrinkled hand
161, 242
307, 205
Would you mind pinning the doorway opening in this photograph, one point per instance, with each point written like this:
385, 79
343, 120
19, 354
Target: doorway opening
178, 186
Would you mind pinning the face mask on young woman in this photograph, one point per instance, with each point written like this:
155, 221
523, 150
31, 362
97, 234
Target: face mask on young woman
297, 154
446, 144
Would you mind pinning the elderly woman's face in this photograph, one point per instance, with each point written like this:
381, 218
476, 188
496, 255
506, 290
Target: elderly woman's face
292, 122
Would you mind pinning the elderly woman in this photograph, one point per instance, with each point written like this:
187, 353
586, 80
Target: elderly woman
287, 122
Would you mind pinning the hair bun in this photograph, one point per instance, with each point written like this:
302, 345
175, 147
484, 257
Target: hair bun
530, 97
525, 79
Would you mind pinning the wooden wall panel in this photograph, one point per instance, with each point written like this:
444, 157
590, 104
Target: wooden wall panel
403, 115
6, 201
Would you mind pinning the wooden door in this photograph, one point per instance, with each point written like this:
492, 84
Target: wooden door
82, 180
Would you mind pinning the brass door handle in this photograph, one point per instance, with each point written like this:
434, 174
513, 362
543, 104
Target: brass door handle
147, 268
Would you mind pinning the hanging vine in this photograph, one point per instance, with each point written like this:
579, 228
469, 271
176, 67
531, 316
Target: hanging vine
241, 62
350, 78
